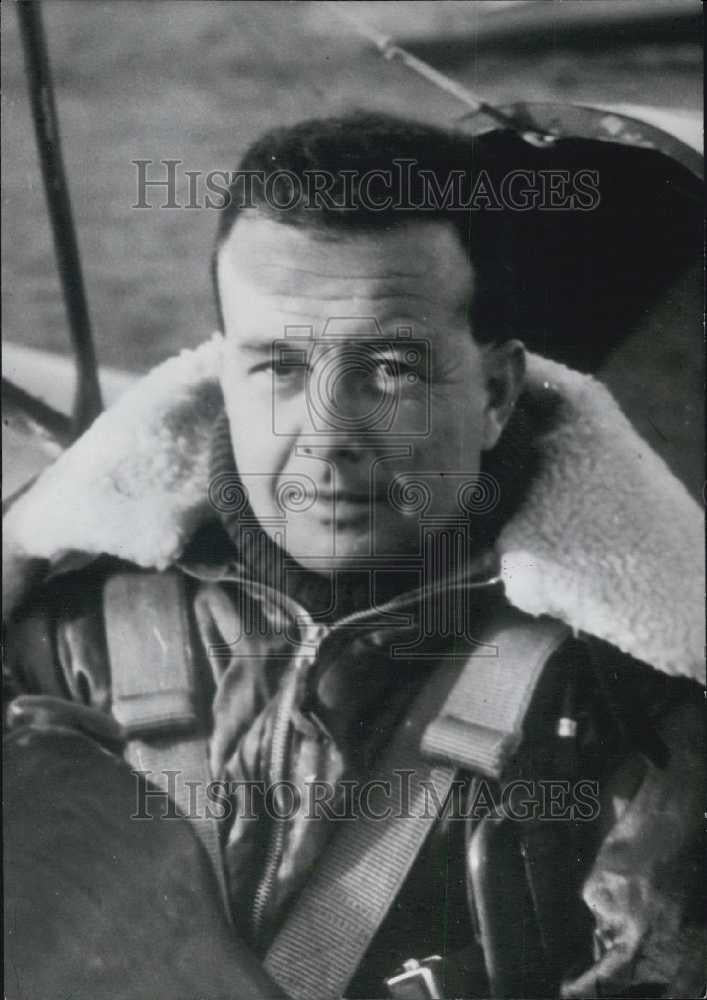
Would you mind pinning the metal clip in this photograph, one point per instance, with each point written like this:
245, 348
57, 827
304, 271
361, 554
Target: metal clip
417, 980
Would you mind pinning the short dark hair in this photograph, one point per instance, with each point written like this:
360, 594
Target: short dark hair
397, 160
537, 273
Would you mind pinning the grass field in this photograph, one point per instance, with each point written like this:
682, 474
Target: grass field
196, 82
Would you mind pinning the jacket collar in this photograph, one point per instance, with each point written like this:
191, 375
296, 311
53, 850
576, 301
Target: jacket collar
595, 530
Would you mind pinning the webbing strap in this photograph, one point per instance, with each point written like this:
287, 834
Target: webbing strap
481, 723
155, 696
340, 909
337, 915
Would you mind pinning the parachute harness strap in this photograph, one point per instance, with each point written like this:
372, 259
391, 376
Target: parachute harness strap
469, 716
156, 698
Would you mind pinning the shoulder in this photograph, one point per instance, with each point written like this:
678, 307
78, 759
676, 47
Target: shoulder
624, 704
55, 638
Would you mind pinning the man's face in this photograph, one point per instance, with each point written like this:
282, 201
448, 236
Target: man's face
357, 398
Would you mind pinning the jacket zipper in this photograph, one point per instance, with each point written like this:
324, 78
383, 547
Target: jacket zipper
305, 661
279, 747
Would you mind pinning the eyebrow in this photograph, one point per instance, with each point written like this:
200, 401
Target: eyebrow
258, 346
376, 344
267, 346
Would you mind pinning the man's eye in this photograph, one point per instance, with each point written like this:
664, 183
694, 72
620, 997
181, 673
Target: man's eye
397, 370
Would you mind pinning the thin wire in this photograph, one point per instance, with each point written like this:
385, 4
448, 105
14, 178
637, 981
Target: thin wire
390, 50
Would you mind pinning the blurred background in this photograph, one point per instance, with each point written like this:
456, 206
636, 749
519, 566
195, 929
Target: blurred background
198, 81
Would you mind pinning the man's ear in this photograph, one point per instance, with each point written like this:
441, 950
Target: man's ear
504, 366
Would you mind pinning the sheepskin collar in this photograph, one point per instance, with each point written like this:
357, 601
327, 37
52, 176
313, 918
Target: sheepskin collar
603, 537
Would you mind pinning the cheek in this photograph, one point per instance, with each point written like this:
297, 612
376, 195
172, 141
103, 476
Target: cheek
451, 452
456, 431
260, 454
259, 458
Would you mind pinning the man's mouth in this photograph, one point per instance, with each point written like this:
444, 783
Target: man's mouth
360, 497
343, 497
344, 508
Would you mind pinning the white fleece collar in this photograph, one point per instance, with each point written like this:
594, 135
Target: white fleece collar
606, 538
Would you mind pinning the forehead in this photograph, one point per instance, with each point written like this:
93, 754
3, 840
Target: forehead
415, 273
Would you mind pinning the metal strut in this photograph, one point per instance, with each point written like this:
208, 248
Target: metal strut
87, 398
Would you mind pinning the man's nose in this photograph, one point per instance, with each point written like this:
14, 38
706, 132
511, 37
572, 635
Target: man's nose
338, 453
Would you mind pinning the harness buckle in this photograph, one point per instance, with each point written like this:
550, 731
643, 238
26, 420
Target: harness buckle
417, 980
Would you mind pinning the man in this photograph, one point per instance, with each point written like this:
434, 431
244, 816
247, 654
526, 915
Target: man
352, 487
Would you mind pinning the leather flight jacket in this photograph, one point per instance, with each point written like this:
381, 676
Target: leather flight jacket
602, 901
